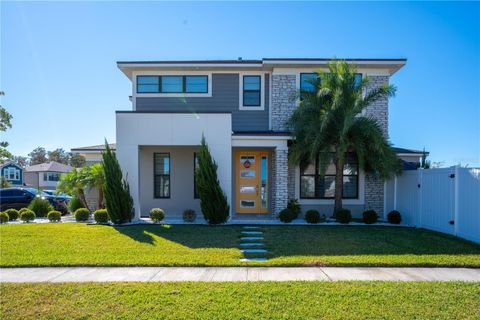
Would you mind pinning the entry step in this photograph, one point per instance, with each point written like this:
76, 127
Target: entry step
254, 259
251, 227
252, 232
251, 238
252, 244
253, 251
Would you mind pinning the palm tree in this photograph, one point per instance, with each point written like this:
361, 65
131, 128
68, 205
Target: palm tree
94, 177
328, 124
73, 183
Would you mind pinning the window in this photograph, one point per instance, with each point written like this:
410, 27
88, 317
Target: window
51, 176
11, 173
358, 79
307, 81
315, 186
172, 84
161, 168
251, 91
195, 167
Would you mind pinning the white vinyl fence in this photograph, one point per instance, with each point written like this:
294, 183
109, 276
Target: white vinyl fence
445, 200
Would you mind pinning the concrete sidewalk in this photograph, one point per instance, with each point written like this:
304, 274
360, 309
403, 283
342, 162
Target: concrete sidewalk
157, 274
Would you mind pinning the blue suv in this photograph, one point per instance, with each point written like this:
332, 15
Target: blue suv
18, 198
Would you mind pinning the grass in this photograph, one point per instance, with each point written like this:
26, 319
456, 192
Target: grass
240, 300
76, 244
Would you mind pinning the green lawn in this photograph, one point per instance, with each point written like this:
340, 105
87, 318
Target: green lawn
236, 300
75, 244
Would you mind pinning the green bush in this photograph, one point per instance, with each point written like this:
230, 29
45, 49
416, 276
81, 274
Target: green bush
312, 216
294, 206
54, 216
27, 215
343, 215
101, 216
394, 217
12, 214
157, 215
370, 216
189, 215
82, 214
75, 203
40, 206
213, 200
286, 215
22, 210
3, 217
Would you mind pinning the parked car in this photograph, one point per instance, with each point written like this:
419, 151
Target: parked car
62, 196
18, 198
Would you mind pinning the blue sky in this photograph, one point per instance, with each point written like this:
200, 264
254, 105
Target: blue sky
58, 61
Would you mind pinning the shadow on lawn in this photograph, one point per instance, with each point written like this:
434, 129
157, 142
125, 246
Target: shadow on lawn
284, 241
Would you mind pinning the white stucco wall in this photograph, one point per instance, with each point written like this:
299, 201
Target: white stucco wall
172, 129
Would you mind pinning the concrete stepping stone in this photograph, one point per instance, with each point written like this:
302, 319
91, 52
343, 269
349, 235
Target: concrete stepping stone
254, 259
251, 238
251, 227
253, 250
252, 232
252, 244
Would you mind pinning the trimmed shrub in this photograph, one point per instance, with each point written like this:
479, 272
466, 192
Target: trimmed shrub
101, 216
27, 215
394, 217
75, 204
189, 215
54, 216
157, 215
40, 206
213, 200
294, 206
370, 216
12, 214
286, 215
82, 214
343, 215
3, 217
312, 216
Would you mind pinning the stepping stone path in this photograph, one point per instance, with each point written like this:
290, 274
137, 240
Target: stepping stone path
251, 238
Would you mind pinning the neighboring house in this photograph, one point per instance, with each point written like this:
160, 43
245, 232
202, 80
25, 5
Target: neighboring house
12, 172
92, 154
241, 107
45, 175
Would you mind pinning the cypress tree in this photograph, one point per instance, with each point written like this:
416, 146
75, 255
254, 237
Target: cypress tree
118, 201
213, 201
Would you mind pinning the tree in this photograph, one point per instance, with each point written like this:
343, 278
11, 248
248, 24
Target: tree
5, 124
93, 177
328, 124
77, 160
4, 183
37, 156
213, 201
424, 163
21, 161
118, 200
73, 182
59, 155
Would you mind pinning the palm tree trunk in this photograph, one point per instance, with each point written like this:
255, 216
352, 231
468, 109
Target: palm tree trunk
339, 161
100, 198
81, 196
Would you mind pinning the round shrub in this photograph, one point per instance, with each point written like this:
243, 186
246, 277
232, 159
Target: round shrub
101, 216
312, 216
343, 215
394, 217
286, 215
294, 206
189, 215
40, 206
370, 216
27, 215
3, 217
82, 214
75, 204
157, 215
22, 210
12, 214
54, 216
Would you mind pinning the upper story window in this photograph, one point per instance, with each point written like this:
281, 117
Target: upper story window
172, 84
307, 81
251, 91
11, 173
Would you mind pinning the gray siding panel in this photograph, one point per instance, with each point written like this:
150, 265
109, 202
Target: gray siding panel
225, 98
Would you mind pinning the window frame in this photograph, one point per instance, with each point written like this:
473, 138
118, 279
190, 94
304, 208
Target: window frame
48, 174
183, 93
316, 176
252, 91
263, 90
163, 175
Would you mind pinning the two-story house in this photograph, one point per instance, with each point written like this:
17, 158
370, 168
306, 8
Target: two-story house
241, 107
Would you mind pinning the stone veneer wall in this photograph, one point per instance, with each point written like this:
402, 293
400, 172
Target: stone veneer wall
284, 90
280, 183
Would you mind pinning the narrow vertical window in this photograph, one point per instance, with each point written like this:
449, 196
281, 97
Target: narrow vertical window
264, 187
161, 175
251, 91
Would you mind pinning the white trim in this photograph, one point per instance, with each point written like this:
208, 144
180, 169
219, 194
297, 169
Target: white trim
262, 90
188, 65
409, 154
247, 137
325, 62
359, 201
363, 71
280, 143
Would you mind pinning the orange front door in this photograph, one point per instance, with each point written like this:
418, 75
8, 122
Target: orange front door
251, 181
